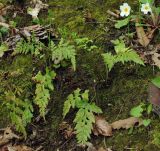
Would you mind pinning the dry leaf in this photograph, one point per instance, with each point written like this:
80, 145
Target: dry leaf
19, 148
7, 136
142, 37
102, 127
126, 123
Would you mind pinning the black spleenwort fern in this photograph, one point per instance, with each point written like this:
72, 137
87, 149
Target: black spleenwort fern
84, 118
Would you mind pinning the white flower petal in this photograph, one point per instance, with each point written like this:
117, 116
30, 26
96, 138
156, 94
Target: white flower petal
125, 4
122, 14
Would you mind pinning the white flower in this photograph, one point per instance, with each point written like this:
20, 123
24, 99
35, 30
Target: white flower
33, 12
125, 9
146, 8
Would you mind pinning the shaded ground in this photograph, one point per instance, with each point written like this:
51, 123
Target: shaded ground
124, 88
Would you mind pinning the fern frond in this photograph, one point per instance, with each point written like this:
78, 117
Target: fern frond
109, 60
21, 112
84, 118
63, 51
32, 46
129, 55
43, 87
123, 54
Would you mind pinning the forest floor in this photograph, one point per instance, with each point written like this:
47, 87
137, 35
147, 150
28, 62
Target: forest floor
116, 93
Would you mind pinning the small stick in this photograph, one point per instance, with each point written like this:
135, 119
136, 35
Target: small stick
113, 14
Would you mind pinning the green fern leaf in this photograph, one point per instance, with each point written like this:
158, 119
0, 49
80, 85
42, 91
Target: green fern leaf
84, 118
109, 60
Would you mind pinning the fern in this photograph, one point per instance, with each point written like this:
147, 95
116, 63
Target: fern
43, 87
20, 112
123, 54
63, 51
32, 46
84, 118
3, 49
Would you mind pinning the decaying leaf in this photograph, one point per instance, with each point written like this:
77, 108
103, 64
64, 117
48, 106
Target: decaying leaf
142, 37
7, 136
155, 58
66, 129
38, 5
19, 148
102, 127
126, 123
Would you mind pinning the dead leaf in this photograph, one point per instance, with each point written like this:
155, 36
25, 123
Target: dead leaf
102, 127
19, 148
142, 37
7, 136
126, 123
66, 129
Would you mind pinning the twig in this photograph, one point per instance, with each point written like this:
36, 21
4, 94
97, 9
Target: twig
113, 14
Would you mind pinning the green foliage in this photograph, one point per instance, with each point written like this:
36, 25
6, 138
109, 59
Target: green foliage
43, 87
33, 46
85, 43
63, 51
139, 110
156, 81
20, 111
3, 49
123, 54
84, 118
156, 138
122, 23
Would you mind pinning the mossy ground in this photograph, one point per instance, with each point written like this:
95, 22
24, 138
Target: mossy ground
116, 93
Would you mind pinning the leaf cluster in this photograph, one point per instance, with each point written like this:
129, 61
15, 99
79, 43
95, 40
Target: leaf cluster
63, 51
84, 118
20, 111
139, 110
123, 54
33, 46
43, 87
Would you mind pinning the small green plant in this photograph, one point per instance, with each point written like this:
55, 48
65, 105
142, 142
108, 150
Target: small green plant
3, 49
33, 46
64, 51
43, 87
156, 81
20, 111
123, 54
139, 110
84, 118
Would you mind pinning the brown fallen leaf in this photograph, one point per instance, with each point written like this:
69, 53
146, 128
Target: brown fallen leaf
126, 123
19, 148
7, 136
142, 37
102, 127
